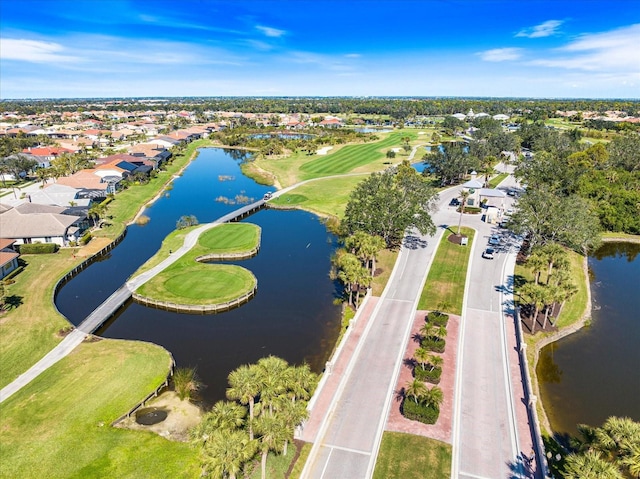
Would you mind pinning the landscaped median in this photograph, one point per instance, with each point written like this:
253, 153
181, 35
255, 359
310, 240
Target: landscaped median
192, 286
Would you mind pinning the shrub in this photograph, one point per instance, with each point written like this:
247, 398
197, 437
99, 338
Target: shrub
433, 343
85, 238
472, 210
38, 248
419, 412
438, 318
185, 383
427, 375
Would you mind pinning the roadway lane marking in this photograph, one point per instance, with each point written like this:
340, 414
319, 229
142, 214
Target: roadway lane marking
326, 464
474, 476
348, 449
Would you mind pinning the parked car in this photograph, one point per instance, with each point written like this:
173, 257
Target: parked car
488, 253
454, 202
268, 195
494, 240
509, 211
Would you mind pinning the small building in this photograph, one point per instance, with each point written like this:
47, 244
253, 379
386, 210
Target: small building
8, 257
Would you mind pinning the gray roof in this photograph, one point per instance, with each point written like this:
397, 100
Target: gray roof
60, 195
30, 220
473, 184
491, 193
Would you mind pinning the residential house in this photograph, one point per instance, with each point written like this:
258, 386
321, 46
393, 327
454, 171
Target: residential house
8, 257
43, 155
150, 151
33, 223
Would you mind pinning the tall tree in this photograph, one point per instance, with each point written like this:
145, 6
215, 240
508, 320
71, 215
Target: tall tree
272, 433
245, 386
387, 203
464, 195
226, 452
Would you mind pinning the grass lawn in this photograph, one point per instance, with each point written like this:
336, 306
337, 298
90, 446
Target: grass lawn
188, 281
385, 262
29, 330
324, 196
447, 276
352, 156
496, 180
59, 424
405, 456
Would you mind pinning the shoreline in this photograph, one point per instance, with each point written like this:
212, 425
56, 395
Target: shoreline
571, 329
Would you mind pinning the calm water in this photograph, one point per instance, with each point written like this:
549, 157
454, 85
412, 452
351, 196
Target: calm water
292, 315
594, 373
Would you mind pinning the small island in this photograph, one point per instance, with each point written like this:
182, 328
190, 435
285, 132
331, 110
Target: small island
191, 285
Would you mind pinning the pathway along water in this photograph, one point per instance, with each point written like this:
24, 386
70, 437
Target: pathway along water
593, 374
292, 315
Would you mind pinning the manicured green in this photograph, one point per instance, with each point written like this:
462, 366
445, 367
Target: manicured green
405, 456
172, 242
29, 329
448, 274
352, 156
231, 238
324, 196
496, 180
59, 424
189, 282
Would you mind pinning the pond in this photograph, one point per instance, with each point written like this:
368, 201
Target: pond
593, 374
282, 136
373, 130
292, 316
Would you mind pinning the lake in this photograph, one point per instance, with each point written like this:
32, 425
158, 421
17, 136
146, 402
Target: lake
593, 374
293, 314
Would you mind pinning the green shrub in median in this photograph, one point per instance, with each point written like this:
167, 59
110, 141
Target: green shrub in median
428, 375
38, 248
437, 318
419, 411
433, 343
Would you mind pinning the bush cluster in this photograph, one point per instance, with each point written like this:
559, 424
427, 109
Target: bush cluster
437, 318
38, 248
85, 238
433, 343
428, 375
419, 412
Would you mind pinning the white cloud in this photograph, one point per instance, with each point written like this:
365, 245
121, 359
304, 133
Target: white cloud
501, 54
616, 50
545, 29
270, 31
353, 55
33, 51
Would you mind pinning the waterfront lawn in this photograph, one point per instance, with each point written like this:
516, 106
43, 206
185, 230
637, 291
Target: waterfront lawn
59, 424
326, 197
29, 329
405, 456
385, 262
172, 242
448, 275
352, 156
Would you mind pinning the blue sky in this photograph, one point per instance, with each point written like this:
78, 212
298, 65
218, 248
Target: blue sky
125, 48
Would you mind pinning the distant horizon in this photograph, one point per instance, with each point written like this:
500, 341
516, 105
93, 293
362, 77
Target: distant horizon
533, 49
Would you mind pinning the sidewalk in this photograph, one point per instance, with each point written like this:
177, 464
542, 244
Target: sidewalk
323, 396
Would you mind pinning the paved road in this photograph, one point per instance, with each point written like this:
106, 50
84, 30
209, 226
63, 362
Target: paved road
486, 442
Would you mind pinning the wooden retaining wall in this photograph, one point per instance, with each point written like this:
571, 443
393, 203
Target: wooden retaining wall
228, 256
77, 269
197, 308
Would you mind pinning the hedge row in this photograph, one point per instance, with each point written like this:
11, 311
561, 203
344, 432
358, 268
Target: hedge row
419, 412
434, 344
38, 248
428, 375
437, 318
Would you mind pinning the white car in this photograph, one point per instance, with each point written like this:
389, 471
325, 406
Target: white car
488, 253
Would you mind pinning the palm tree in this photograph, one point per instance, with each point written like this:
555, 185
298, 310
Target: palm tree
536, 262
416, 389
224, 415
536, 297
421, 355
272, 432
590, 466
433, 397
435, 361
464, 195
43, 175
293, 414
226, 452
272, 372
245, 386
426, 330
301, 382
555, 254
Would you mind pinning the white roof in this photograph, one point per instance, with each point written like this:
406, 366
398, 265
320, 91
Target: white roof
473, 184
492, 193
